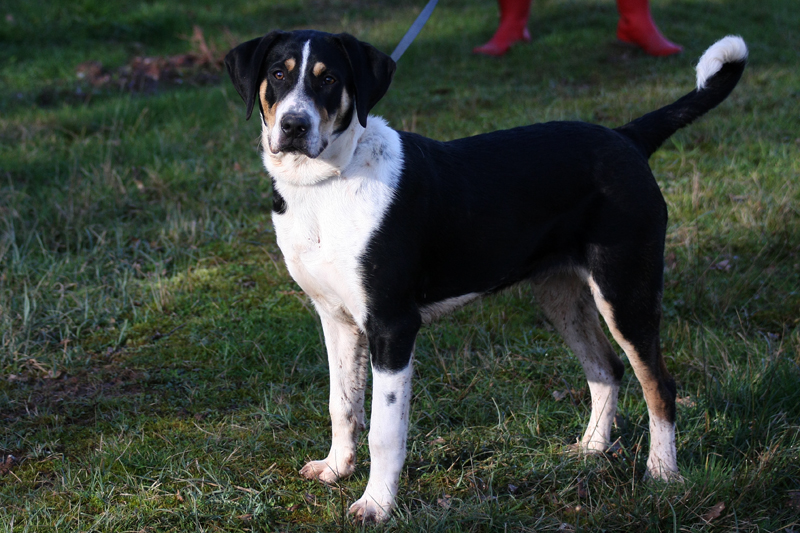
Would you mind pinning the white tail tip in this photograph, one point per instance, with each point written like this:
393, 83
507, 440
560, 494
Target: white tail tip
726, 50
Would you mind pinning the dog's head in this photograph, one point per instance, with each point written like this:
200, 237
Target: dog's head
308, 85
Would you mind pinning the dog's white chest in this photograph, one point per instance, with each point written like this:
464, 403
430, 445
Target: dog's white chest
321, 242
328, 223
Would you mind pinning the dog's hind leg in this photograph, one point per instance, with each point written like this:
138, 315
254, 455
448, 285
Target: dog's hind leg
569, 306
628, 295
347, 362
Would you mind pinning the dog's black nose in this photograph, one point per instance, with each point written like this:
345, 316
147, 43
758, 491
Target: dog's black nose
295, 125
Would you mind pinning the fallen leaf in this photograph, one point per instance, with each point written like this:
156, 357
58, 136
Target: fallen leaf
93, 72
6, 464
560, 395
671, 260
199, 41
794, 499
686, 401
582, 494
721, 265
143, 74
714, 512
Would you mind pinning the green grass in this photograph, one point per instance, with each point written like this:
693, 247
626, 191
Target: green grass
160, 371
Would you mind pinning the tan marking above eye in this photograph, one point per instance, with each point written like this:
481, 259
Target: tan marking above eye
290, 64
319, 68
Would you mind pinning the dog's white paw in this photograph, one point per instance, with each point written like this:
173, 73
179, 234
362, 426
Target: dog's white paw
591, 448
658, 471
662, 463
372, 510
328, 471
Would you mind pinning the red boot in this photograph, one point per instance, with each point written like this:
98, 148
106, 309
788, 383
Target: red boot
513, 28
636, 26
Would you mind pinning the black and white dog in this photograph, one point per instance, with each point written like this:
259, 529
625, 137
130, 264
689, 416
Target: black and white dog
386, 230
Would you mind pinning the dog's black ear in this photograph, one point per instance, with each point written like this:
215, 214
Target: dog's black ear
245, 63
372, 73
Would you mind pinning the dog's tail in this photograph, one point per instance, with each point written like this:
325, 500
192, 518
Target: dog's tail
718, 72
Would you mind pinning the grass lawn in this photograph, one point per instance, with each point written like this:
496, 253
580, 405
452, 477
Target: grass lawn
160, 371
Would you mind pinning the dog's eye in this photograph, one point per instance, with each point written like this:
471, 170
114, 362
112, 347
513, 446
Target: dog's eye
279, 75
328, 80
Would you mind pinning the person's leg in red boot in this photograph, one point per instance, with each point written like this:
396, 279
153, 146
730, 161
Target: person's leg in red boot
513, 28
636, 26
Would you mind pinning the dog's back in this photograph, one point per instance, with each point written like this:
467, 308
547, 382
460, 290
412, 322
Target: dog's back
488, 211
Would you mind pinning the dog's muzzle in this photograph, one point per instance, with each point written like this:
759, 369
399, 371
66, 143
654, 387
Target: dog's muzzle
295, 126
296, 135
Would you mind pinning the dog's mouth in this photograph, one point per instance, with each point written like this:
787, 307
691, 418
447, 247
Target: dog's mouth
300, 147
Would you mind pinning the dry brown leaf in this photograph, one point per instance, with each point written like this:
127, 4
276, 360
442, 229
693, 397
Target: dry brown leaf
724, 265
686, 401
671, 260
714, 512
794, 499
560, 395
581, 487
6, 464
142, 74
199, 41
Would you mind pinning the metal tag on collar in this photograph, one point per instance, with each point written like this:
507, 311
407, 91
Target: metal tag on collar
414, 30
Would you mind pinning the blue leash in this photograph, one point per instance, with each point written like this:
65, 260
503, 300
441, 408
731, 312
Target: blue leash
414, 30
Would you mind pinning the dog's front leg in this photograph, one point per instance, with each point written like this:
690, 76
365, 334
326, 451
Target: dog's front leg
391, 346
347, 362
